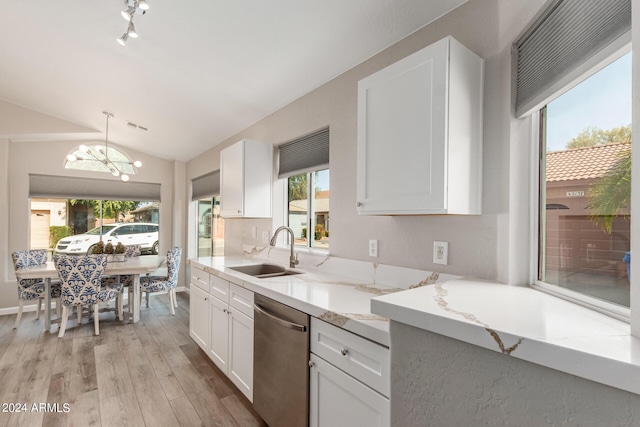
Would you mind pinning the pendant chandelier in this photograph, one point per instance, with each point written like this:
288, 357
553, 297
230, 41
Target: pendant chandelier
103, 158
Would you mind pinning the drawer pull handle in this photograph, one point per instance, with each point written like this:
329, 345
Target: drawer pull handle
311, 364
344, 351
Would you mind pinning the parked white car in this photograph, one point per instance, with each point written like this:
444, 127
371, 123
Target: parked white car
128, 233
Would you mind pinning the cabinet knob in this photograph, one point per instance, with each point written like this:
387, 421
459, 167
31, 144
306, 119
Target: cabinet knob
344, 351
358, 204
311, 364
239, 211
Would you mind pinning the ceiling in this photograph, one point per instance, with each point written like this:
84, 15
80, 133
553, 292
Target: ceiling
200, 72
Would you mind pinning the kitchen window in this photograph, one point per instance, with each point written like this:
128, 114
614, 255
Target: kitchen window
585, 187
309, 216
573, 79
303, 164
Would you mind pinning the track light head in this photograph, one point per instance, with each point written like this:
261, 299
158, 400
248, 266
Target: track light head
123, 39
131, 31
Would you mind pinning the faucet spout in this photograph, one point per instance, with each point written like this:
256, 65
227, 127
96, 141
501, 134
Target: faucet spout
293, 258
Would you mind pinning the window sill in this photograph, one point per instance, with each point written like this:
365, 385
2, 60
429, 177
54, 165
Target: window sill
523, 323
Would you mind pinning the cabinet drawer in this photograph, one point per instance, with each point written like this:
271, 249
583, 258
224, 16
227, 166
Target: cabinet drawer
241, 299
359, 357
200, 278
219, 288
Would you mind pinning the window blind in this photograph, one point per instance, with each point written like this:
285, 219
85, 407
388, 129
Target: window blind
564, 38
93, 189
304, 154
206, 186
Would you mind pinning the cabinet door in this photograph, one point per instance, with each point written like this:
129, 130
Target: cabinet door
402, 135
219, 342
336, 399
199, 317
232, 180
241, 352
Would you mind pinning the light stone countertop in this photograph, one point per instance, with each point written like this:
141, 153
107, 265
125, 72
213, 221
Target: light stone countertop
523, 323
336, 297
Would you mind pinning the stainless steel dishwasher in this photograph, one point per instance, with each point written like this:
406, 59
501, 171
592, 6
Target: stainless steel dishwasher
280, 363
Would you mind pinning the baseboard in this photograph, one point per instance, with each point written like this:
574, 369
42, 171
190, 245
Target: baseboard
32, 307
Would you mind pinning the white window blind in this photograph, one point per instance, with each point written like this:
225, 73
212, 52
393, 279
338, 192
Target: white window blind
306, 154
567, 36
206, 186
93, 189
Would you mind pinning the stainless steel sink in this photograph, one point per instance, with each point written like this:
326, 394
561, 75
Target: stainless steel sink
263, 271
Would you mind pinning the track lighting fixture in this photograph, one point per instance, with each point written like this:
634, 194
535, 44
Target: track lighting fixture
133, 7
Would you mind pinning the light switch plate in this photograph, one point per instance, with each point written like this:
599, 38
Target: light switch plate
265, 237
440, 252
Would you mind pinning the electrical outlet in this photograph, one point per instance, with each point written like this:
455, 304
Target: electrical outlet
373, 248
440, 252
265, 237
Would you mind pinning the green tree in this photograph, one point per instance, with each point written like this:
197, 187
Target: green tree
298, 187
611, 193
591, 136
110, 208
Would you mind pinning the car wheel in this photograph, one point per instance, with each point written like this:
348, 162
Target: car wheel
154, 248
91, 249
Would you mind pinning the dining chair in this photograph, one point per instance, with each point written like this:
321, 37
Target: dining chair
82, 286
30, 289
125, 280
169, 283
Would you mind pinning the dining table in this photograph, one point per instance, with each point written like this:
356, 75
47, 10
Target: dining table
134, 266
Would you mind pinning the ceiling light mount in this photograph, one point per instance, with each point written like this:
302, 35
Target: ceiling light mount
133, 7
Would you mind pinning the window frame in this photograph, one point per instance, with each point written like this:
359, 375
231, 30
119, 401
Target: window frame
537, 193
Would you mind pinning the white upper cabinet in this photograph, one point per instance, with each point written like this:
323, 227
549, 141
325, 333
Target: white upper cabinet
420, 134
246, 176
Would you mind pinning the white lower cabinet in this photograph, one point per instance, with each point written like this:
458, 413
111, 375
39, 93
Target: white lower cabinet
337, 399
221, 323
349, 379
199, 322
231, 347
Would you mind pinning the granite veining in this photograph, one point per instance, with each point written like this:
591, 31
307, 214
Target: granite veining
441, 293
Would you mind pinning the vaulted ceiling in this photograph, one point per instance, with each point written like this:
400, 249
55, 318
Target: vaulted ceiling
199, 72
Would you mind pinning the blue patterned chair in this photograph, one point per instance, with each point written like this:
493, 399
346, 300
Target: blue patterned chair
82, 285
158, 284
30, 289
125, 280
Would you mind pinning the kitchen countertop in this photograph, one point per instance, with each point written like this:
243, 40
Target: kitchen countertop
524, 323
341, 301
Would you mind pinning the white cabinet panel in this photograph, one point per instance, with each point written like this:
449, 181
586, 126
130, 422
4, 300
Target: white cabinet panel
241, 352
420, 134
199, 317
219, 342
336, 399
246, 175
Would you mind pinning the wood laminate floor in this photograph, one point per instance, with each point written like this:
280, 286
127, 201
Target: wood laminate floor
148, 374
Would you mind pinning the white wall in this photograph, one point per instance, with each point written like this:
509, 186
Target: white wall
23, 158
479, 246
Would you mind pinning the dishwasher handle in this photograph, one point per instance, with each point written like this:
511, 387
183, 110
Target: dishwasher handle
281, 322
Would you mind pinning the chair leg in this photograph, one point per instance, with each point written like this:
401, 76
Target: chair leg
96, 317
171, 307
38, 308
58, 307
147, 297
20, 307
63, 321
79, 315
175, 300
120, 305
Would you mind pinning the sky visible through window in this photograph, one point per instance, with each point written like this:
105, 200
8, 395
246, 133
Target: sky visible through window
602, 101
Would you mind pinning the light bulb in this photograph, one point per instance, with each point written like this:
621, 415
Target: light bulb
131, 31
137, 164
124, 177
123, 39
128, 14
83, 148
71, 157
115, 172
143, 5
